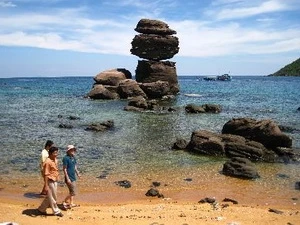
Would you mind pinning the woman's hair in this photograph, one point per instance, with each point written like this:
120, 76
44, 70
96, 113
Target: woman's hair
49, 143
53, 149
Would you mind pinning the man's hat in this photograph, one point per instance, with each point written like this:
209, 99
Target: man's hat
70, 147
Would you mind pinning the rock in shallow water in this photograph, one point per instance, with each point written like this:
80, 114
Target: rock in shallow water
241, 168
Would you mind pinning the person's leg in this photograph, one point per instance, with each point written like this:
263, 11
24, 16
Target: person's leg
52, 194
71, 187
44, 190
67, 201
72, 193
44, 205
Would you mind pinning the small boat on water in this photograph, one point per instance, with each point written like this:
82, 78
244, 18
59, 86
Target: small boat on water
224, 77
210, 78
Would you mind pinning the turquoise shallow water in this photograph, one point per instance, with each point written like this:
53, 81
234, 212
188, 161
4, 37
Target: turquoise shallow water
140, 143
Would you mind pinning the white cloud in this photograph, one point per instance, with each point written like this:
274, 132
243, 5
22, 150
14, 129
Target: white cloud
200, 40
241, 9
72, 29
6, 4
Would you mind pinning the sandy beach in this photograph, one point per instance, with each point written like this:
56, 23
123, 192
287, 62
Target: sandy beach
147, 212
116, 205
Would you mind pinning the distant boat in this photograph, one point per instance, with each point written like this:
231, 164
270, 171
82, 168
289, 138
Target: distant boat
210, 78
224, 77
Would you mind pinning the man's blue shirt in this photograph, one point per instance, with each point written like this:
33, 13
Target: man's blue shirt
69, 162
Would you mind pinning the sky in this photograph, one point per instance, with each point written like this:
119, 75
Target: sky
46, 38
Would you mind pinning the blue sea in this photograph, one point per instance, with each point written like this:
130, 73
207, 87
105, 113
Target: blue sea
140, 143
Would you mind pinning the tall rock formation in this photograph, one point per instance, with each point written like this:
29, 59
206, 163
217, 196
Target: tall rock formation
154, 44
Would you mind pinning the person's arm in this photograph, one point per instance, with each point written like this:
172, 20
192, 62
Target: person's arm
66, 174
45, 173
77, 172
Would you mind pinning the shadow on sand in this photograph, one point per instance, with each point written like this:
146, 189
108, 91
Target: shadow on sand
33, 195
33, 213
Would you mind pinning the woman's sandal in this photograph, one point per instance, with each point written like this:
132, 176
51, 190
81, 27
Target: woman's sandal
66, 205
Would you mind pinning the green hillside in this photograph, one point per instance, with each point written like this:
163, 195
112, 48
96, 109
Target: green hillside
292, 69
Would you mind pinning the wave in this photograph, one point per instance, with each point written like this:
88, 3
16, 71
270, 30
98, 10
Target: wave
193, 95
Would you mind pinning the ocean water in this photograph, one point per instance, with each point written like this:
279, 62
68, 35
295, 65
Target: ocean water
140, 143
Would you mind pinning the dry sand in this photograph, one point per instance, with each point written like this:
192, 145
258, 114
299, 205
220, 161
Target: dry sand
101, 204
152, 211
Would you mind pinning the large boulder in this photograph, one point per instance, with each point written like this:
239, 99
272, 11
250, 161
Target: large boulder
112, 77
138, 102
155, 41
130, 88
206, 143
209, 143
99, 91
152, 71
266, 132
246, 150
156, 89
154, 47
147, 26
241, 168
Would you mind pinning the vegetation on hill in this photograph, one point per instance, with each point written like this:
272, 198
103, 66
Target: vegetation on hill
292, 69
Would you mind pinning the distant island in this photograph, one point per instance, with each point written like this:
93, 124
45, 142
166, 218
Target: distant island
292, 69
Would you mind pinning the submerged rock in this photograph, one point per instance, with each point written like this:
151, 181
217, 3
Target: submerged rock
206, 108
102, 126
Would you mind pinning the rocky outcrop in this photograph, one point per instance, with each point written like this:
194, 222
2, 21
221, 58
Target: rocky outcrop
154, 43
206, 143
107, 83
266, 132
100, 91
245, 146
130, 88
149, 71
209, 143
241, 168
156, 89
112, 77
155, 79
